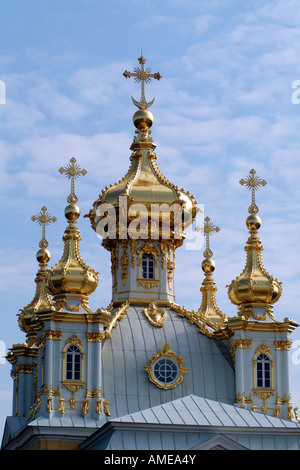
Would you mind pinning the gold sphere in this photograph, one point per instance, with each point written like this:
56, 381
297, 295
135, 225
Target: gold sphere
143, 119
72, 212
253, 222
208, 265
43, 255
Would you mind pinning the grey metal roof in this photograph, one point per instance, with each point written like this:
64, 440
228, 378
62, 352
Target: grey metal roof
198, 411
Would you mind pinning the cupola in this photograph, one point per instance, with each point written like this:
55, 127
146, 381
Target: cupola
71, 281
254, 291
143, 195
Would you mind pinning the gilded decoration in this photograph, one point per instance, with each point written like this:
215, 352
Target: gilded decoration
35, 408
155, 315
82, 405
133, 246
240, 344
148, 284
111, 318
95, 337
241, 398
170, 270
166, 352
285, 400
124, 262
203, 323
283, 345
52, 335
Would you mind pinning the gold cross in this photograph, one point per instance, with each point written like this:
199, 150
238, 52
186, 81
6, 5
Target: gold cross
72, 171
253, 182
43, 218
142, 75
208, 229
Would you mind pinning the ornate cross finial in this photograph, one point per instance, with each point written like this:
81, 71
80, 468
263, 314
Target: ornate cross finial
72, 171
208, 229
43, 218
253, 182
142, 75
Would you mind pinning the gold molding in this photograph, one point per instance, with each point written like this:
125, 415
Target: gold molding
240, 344
241, 398
148, 284
52, 335
283, 345
95, 337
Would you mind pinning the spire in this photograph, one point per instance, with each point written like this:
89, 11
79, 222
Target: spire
209, 307
71, 281
255, 290
42, 300
142, 214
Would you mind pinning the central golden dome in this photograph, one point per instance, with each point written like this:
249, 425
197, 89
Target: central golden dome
144, 191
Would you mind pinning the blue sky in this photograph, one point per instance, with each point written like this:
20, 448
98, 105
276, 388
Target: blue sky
223, 106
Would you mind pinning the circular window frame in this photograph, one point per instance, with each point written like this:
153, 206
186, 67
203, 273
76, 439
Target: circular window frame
175, 362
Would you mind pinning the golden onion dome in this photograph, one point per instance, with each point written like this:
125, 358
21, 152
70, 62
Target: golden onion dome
71, 281
143, 190
254, 291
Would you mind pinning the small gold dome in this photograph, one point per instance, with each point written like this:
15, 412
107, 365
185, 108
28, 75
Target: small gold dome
72, 212
253, 222
208, 265
43, 255
143, 119
255, 287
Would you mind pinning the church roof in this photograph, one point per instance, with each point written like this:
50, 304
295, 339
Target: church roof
194, 422
198, 411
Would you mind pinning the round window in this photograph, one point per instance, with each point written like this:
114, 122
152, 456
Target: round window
165, 370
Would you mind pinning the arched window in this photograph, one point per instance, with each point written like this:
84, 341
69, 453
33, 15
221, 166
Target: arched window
263, 371
73, 363
147, 266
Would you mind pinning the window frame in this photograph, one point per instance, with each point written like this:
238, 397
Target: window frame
74, 341
75, 356
263, 374
148, 264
